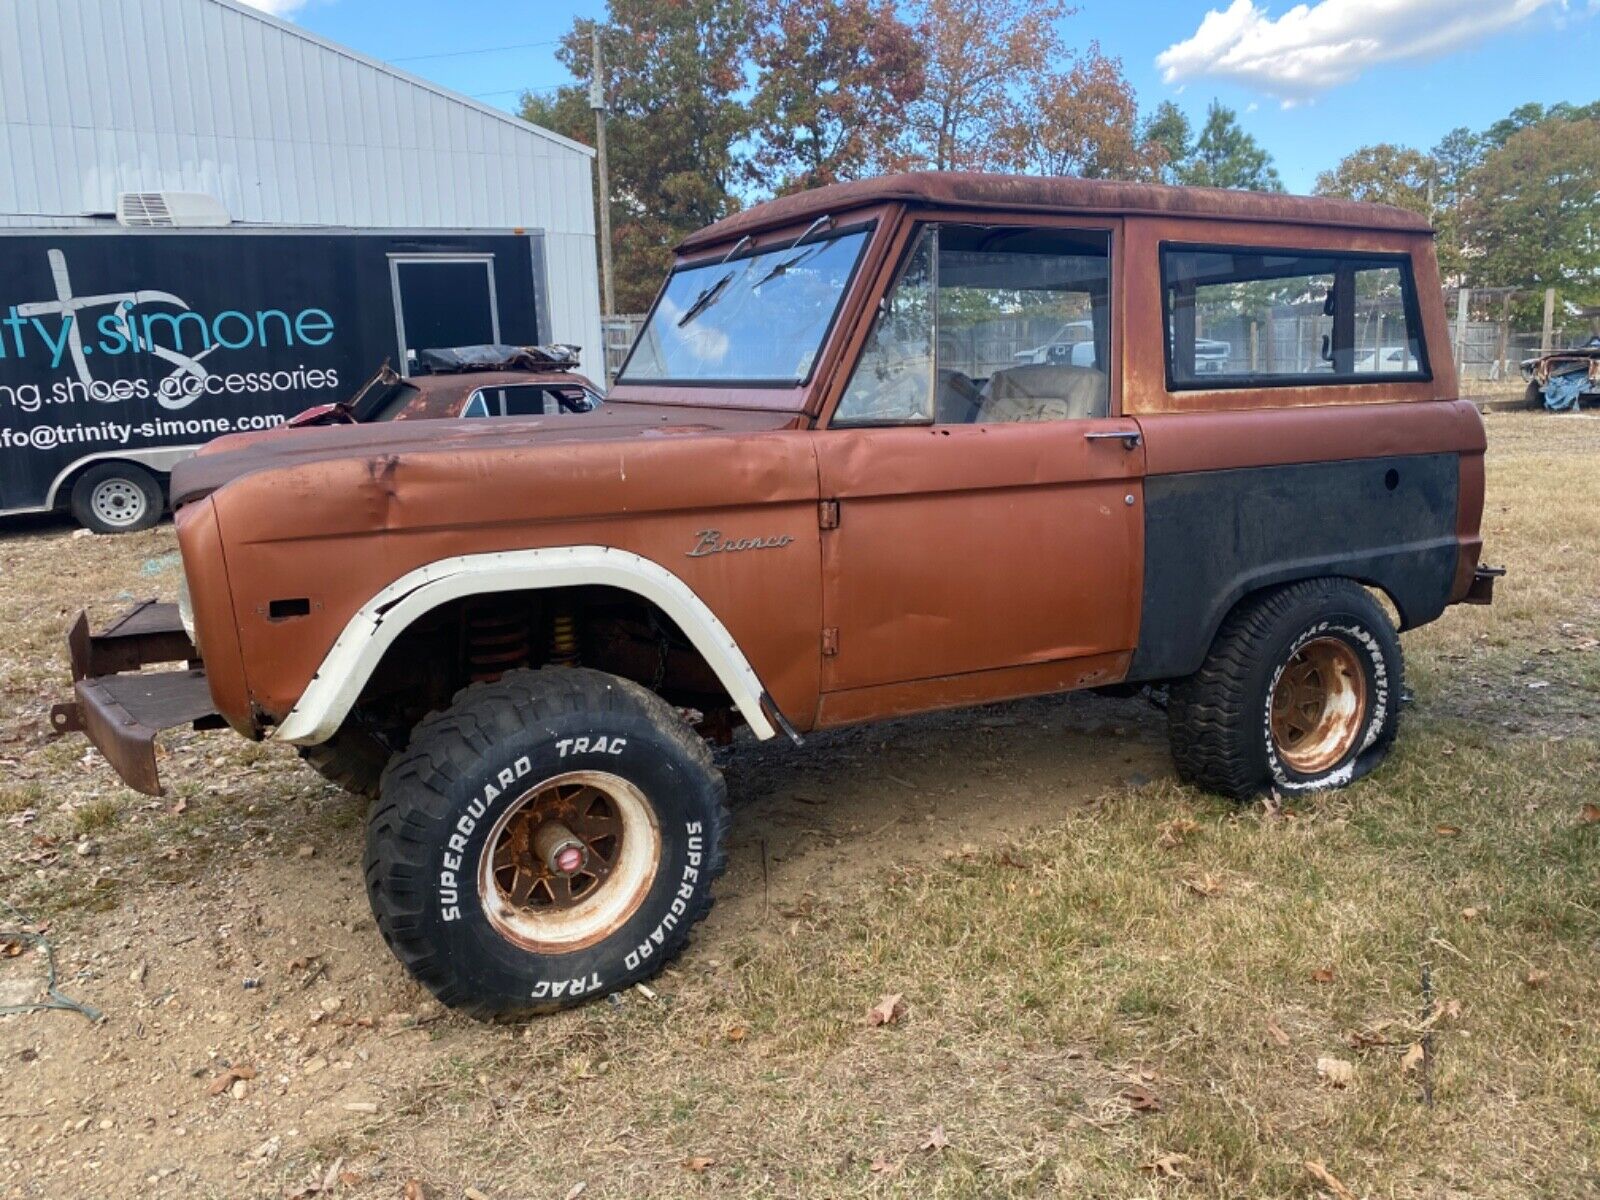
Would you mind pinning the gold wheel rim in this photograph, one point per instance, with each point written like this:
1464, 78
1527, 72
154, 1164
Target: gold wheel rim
569, 862
1319, 704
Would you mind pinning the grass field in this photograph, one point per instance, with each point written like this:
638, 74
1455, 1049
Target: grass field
1111, 985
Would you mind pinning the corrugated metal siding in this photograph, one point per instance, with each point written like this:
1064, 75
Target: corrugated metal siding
99, 97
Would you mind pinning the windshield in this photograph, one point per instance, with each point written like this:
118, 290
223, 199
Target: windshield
754, 320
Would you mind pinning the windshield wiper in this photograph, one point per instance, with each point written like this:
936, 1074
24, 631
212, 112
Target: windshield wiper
825, 221
704, 300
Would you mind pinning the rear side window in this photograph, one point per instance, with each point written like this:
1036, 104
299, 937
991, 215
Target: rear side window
1248, 317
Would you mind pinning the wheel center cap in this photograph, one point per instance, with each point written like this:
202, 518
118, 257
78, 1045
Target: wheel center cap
561, 850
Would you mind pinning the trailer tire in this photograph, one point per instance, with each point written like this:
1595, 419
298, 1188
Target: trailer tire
550, 838
116, 497
1299, 692
1533, 395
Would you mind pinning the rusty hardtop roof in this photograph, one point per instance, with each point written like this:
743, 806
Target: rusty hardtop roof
1037, 193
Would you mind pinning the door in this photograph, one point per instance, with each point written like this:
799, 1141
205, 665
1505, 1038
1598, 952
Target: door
442, 301
989, 504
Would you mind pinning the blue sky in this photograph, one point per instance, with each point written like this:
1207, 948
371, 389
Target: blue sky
1312, 81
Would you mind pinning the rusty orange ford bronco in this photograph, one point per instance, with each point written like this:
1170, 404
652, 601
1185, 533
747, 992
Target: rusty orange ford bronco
884, 447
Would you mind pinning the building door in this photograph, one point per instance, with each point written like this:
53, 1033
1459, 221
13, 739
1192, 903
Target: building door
989, 512
442, 301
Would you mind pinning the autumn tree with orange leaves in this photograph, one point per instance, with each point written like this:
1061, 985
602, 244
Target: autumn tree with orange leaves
834, 79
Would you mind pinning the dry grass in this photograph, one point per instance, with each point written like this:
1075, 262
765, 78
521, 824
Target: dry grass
1127, 998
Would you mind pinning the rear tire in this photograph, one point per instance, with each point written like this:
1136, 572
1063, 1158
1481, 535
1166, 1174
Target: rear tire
116, 497
1533, 395
549, 838
1299, 692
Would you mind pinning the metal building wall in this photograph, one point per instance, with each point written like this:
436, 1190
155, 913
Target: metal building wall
99, 97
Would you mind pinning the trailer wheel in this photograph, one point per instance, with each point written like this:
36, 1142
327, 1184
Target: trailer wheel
116, 497
551, 837
1300, 692
1533, 395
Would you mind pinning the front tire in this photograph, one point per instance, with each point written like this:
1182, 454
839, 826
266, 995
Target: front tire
116, 497
548, 839
1299, 692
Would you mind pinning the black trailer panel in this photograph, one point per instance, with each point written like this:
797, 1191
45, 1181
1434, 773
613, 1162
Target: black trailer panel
140, 345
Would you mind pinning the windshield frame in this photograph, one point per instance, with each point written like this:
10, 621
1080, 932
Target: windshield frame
781, 244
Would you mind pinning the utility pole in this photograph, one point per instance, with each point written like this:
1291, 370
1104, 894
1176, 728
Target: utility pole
597, 101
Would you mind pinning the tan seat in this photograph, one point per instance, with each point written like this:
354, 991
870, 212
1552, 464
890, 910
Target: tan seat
1044, 392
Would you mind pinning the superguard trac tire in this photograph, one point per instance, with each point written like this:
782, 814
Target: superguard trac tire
551, 837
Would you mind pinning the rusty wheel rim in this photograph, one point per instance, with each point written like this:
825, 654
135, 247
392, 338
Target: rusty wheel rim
1319, 703
569, 861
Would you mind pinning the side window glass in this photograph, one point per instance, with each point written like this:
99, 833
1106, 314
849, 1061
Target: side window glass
893, 381
1024, 325
989, 324
1248, 317
526, 400
476, 407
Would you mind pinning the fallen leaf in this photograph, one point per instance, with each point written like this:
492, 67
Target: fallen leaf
180, 807
1167, 1166
578, 1189
936, 1139
737, 1033
1589, 814
1372, 1035
1204, 884
1141, 1099
1336, 1072
887, 1010
1412, 1058
882, 1166
1276, 1033
1447, 830
699, 1164
1536, 978
415, 1190
1471, 914
1174, 832
1451, 1010
1318, 1170
1322, 975
228, 1078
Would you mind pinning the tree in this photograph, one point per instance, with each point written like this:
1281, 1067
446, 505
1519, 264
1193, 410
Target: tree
1405, 178
1225, 156
980, 53
1081, 121
674, 73
834, 78
1168, 130
1531, 212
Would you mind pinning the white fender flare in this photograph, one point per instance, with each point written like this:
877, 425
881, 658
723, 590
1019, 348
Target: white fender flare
335, 687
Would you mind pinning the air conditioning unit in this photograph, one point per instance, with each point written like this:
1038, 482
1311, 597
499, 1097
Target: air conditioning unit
170, 210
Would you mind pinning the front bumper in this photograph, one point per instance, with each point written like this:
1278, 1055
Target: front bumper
121, 707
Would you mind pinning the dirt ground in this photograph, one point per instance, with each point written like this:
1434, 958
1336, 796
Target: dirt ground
1112, 984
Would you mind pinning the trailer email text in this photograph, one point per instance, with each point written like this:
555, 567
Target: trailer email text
48, 437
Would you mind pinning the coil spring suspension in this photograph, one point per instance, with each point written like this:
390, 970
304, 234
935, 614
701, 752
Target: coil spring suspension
563, 640
498, 640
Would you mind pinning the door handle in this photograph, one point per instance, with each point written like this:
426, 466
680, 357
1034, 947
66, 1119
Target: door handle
1130, 438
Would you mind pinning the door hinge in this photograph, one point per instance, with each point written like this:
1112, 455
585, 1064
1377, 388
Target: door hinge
830, 641
828, 514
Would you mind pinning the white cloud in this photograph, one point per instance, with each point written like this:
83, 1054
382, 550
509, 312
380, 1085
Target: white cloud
1313, 47
277, 8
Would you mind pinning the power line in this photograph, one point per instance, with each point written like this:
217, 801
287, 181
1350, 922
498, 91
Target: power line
483, 50
532, 91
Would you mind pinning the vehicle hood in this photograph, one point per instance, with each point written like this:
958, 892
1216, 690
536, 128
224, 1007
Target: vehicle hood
237, 455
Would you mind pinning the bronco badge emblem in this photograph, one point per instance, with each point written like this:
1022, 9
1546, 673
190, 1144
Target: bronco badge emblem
712, 542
